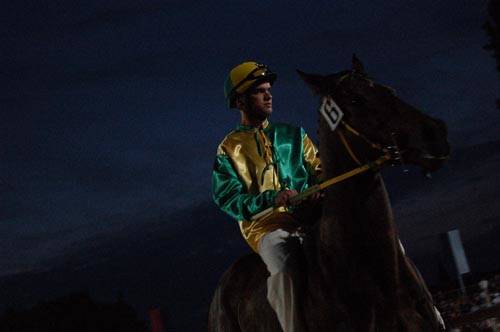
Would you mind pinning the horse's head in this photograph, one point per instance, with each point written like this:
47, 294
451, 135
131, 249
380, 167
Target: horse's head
378, 114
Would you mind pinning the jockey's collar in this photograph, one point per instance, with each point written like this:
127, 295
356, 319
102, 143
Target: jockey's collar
265, 126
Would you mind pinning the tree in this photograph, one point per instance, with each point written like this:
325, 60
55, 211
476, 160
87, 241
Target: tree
492, 28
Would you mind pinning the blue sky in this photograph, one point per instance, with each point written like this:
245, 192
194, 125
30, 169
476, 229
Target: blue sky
111, 112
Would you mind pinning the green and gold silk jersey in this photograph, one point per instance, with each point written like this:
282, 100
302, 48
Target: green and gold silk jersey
253, 164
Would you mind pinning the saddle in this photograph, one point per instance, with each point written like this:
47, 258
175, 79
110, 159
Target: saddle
308, 214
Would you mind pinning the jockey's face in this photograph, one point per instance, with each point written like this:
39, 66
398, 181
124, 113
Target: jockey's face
259, 101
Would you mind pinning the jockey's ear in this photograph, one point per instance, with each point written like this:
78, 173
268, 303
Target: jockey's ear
357, 65
242, 102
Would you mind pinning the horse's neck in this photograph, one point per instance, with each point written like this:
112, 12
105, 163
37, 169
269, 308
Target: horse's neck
358, 202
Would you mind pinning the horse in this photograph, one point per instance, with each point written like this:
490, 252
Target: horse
356, 276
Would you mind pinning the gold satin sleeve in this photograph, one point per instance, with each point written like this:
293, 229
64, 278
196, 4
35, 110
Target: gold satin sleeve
311, 159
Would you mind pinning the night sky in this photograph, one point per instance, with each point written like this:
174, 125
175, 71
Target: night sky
111, 112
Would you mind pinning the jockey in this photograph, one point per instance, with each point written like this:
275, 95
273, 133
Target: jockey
261, 165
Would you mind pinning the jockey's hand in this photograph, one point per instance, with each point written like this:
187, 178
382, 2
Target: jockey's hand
284, 196
316, 196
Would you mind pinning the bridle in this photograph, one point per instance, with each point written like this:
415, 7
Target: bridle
333, 116
331, 111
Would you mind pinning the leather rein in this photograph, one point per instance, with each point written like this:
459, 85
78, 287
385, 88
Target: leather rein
333, 115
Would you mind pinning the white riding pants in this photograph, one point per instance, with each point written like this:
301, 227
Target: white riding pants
280, 250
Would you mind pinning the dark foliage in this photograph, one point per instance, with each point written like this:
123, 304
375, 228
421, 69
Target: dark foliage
77, 313
492, 28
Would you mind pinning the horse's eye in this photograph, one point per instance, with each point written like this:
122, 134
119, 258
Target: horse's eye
358, 100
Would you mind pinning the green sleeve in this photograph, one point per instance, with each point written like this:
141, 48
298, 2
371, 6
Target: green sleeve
230, 194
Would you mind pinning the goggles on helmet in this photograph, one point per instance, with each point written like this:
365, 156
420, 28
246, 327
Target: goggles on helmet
259, 72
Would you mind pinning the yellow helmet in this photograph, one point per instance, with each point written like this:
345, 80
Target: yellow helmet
243, 77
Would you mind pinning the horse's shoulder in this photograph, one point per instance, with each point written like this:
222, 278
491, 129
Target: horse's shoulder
244, 272
247, 264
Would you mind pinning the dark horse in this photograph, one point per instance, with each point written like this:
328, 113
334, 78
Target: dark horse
356, 275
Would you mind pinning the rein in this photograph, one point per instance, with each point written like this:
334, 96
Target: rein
390, 153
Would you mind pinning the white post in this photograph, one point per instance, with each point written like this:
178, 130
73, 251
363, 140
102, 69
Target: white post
459, 257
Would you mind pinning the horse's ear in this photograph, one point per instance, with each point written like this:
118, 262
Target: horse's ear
320, 85
357, 65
